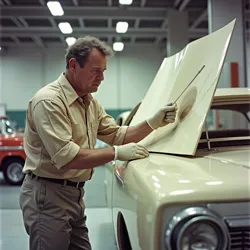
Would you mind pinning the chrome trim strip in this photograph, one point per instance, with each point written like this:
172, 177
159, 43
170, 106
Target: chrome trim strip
7, 148
226, 139
239, 221
230, 209
119, 178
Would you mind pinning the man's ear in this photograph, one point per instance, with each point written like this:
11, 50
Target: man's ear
72, 64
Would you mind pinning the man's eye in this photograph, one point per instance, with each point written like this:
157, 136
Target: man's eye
97, 71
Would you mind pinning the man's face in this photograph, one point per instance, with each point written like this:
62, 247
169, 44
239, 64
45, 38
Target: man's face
88, 79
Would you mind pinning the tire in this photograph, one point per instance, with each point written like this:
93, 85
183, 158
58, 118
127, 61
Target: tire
12, 171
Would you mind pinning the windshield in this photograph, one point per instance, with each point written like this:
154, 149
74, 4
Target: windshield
6, 126
223, 119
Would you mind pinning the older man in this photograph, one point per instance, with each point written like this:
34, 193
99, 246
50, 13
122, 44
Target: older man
63, 123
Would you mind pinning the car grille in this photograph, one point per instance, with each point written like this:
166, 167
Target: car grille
240, 238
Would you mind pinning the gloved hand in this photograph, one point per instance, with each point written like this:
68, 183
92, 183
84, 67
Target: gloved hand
130, 151
163, 117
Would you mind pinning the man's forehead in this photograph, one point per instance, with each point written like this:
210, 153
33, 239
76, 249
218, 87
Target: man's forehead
96, 59
95, 54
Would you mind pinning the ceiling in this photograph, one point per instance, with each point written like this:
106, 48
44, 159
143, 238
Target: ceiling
30, 23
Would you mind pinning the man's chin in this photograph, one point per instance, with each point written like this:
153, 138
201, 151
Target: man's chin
94, 89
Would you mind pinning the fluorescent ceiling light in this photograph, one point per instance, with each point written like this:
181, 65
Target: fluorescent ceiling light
70, 40
125, 2
55, 8
121, 27
118, 46
65, 28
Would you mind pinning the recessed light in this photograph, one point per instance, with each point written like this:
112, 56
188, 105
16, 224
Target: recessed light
70, 40
65, 28
55, 8
118, 46
121, 27
125, 2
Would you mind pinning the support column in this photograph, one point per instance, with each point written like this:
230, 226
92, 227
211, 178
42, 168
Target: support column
220, 13
177, 37
2, 105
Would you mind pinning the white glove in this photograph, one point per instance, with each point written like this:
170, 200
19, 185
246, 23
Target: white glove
130, 151
163, 117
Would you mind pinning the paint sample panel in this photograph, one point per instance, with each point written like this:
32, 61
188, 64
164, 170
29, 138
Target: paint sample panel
200, 62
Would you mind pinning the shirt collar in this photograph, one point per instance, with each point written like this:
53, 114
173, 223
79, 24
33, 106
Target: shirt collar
69, 91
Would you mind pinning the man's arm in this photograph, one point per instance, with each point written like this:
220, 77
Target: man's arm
90, 158
137, 133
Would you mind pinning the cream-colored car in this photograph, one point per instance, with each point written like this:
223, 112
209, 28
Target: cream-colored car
192, 192
198, 202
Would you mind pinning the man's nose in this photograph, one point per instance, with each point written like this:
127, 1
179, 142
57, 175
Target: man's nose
101, 76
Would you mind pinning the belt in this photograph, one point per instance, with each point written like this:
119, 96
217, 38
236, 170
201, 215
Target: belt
59, 181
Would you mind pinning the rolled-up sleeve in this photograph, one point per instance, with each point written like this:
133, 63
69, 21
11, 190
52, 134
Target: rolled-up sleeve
109, 131
54, 129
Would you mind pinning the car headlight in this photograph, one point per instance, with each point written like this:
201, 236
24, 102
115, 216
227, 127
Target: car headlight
196, 228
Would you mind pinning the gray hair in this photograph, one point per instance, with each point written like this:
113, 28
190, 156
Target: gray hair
81, 49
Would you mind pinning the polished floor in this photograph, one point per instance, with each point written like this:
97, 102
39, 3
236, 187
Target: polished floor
14, 237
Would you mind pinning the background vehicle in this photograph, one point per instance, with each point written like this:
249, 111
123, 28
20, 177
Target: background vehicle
12, 155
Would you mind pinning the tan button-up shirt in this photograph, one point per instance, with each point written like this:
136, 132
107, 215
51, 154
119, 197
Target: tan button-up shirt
58, 124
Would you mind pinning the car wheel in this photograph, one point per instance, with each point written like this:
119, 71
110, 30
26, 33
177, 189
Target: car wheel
12, 171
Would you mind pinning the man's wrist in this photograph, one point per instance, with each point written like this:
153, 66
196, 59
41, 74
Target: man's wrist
149, 124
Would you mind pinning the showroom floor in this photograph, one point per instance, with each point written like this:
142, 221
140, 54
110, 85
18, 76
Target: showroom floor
14, 237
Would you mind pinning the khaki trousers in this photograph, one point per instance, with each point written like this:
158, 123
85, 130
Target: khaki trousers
54, 215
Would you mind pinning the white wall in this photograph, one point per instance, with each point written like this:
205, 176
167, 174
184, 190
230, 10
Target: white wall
129, 75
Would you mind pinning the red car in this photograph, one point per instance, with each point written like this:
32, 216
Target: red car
12, 155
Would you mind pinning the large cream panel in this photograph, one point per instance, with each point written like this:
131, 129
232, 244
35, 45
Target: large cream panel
202, 58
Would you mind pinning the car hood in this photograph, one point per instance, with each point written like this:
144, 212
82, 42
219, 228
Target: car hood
190, 84
171, 179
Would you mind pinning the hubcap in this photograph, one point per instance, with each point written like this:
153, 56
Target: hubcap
14, 172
